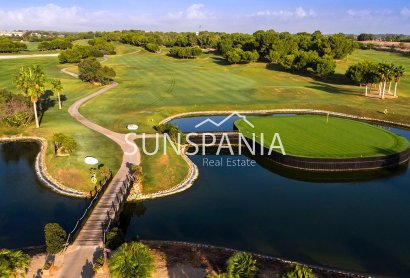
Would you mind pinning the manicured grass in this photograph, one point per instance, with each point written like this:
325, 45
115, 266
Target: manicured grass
72, 170
319, 136
155, 86
161, 171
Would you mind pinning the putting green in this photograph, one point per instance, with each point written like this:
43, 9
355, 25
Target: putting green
322, 137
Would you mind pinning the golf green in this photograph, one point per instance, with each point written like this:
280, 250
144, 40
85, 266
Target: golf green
316, 136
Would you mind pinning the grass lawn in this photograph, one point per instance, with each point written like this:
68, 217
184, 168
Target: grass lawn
317, 136
154, 86
161, 171
72, 170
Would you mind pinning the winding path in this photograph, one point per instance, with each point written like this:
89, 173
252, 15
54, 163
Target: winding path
79, 256
8, 57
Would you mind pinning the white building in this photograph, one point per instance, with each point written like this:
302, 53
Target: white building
9, 34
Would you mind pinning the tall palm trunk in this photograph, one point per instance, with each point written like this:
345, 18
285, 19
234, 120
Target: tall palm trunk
365, 94
395, 88
389, 87
384, 89
35, 113
59, 101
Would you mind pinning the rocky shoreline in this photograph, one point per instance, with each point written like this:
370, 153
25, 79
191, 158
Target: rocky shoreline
212, 259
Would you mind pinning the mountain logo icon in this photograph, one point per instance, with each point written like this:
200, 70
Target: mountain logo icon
224, 120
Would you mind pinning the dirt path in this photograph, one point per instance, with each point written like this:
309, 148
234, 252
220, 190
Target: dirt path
8, 57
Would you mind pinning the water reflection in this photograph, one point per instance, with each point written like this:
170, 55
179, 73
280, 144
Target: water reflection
26, 205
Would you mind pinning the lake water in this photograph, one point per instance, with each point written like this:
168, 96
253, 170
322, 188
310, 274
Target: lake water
26, 205
357, 222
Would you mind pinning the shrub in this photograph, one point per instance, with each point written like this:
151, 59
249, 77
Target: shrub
99, 262
11, 262
115, 238
172, 130
92, 71
185, 52
131, 260
298, 271
55, 44
8, 46
152, 47
241, 265
55, 237
78, 52
106, 47
237, 55
15, 110
64, 144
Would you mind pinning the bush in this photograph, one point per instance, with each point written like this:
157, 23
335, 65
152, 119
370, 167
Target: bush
115, 238
64, 144
55, 237
152, 47
107, 48
131, 260
241, 265
237, 55
172, 130
15, 110
185, 52
8, 46
55, 44
78, 52
99, 262
92, 71
12, 262
298, 271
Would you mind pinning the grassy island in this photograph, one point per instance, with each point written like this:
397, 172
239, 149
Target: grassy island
325, 137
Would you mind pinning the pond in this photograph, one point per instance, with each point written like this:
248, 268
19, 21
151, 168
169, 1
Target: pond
26, 205
356, 222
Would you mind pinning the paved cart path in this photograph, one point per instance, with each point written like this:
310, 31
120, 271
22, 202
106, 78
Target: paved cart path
87, 246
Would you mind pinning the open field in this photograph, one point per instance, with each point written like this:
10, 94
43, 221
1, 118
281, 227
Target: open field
154, 86
72, 170
161, 171
319, 136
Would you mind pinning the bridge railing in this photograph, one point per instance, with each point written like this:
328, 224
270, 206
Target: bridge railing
121, 197
80, 222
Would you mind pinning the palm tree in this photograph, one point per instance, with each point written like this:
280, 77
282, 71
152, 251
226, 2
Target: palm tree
30, 81
398, 73
381, 75
241, 264
57, 87
298, 271
390, 74
131, 260
12, 262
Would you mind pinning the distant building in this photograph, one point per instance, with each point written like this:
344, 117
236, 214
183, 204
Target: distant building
10, 34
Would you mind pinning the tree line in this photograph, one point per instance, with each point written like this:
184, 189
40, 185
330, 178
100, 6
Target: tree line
185, 52
384, 37
382, 75
55, 44
95, 48
299, 52
9, 46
